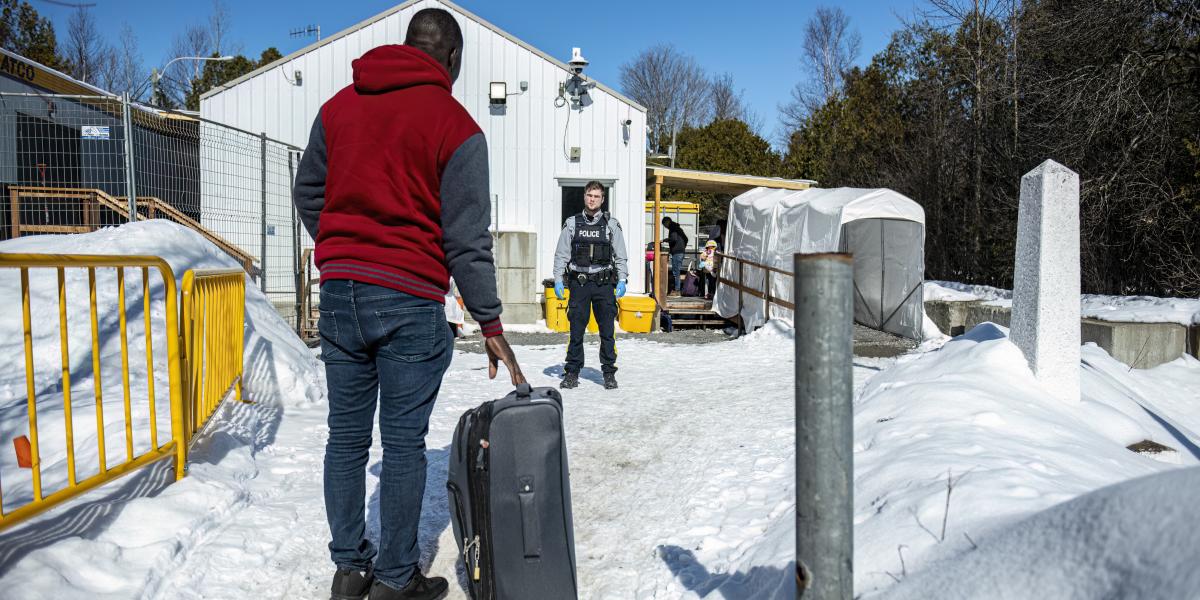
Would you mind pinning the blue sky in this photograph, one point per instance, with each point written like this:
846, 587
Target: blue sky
758, 42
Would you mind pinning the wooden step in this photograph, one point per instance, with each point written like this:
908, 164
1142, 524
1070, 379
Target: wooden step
677, 324
690, 311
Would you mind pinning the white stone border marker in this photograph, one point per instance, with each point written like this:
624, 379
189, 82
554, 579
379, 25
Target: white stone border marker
1045, 313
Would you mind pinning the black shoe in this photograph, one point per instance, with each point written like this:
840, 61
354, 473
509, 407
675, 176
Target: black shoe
610, 381
349, 584
570, 381
419, 587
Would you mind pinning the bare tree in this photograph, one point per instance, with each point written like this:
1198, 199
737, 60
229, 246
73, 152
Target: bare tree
129, 74
88, 57
754, 120
219, 23
206, 39
177, 80
726, 101
829, 49
672, 87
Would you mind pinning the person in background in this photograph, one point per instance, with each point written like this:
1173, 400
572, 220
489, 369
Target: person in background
455, 316
677, 241
650, 268
706, 264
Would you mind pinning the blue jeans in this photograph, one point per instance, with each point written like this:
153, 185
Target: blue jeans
676, 268
379, 345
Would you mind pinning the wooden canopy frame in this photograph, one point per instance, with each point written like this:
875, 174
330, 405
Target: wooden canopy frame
702, 181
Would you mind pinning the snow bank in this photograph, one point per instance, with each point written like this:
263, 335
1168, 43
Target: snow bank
1126, 309
1135, 539
971, 417
115, 542
682, 480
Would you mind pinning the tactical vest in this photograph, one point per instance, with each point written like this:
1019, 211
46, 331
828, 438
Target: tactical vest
591, 246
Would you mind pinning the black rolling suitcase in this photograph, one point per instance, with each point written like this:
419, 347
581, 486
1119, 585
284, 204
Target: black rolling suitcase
510, 498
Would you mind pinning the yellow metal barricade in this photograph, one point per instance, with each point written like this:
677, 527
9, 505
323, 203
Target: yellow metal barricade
204, 332
175, 445
214, 312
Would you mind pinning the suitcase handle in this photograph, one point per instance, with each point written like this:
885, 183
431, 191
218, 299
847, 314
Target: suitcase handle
524, 390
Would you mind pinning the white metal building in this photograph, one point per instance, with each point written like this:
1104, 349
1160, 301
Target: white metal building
534, 177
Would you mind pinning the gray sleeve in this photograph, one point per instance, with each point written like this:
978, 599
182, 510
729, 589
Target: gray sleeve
620, 252
309, 192
466, 213
562, 253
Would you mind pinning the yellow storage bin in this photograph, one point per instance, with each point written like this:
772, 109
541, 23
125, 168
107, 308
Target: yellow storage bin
636, 313
556, 313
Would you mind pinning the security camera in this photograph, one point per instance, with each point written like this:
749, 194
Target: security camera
627, 122
578, 62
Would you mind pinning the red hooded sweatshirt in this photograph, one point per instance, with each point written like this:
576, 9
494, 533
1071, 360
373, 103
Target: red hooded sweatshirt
394, 185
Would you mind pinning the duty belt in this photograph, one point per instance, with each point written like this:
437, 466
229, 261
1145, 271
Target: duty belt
599, 277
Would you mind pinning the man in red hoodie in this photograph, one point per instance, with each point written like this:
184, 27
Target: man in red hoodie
394, 189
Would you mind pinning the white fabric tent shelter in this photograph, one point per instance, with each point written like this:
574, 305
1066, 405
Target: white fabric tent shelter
883, 229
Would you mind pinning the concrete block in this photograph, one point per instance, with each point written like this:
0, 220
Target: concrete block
518, 314
521, 314
1139, 345
517, 285
949, 316
986, 313
515, 250
1045, 317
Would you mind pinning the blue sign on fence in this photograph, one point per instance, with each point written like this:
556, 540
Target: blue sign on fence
94, 132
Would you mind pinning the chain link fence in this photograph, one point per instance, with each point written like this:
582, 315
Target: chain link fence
72, 164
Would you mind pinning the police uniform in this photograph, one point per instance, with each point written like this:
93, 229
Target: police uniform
590, 260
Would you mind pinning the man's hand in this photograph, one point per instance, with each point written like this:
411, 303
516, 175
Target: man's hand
558, 289
620, 289
498, 350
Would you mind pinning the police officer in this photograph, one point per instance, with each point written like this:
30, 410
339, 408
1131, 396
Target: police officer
592, 262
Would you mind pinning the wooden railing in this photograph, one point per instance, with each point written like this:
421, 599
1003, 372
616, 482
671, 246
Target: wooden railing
743, 289
94, 205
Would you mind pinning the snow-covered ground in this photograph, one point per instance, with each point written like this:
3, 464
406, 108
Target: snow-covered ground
1130, 309
954, 447
682, 480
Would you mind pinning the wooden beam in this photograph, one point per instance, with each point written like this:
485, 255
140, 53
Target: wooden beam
55, 229
96, 198
14, 201
157, 205
720, 183
756, 294
659, 294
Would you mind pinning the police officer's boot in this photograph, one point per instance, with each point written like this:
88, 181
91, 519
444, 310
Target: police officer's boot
570, 380
610, 381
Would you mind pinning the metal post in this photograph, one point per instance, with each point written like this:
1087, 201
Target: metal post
824, 330
262, 274
296, 237
130, 162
